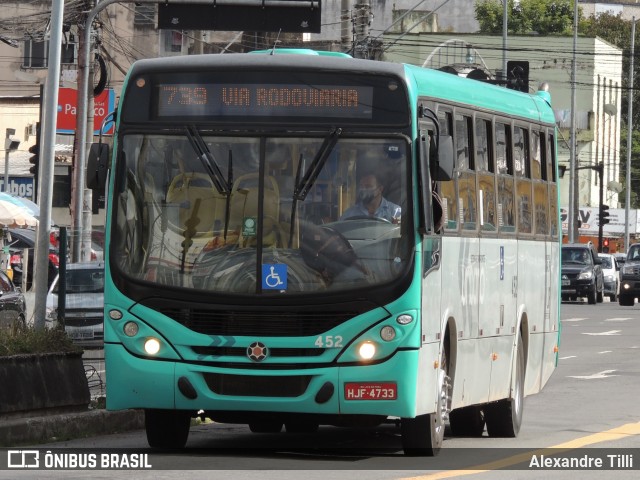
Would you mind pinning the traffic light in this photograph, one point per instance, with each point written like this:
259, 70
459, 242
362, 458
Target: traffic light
35, 149
35, 159
605, 246
603, 218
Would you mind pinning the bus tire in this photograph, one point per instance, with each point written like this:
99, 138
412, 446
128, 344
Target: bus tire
424, 434
265, 427
504, 417
167, 429
467, 421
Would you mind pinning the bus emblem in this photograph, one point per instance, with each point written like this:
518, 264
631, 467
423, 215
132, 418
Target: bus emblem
257, 351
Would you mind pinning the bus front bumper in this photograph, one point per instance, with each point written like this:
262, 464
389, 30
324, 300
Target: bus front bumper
388, 388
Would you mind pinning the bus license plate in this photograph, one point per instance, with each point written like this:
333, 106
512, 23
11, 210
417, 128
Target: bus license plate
370, 391
566, 283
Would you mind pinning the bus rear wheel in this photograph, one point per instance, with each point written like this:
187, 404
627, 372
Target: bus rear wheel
167, 429
504, 417
467, 421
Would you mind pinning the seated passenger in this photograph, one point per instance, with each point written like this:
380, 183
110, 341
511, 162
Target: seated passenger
371, 203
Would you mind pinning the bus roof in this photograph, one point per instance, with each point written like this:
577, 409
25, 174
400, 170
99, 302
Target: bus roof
422, 81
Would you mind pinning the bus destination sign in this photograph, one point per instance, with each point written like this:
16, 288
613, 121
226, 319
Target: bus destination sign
264, 100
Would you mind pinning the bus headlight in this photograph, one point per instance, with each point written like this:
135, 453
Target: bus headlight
152, 346
130, 329
387, 333
404, 319
367, 350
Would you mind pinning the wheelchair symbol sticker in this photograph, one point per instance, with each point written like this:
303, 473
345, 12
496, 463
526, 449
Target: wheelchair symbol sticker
274, 276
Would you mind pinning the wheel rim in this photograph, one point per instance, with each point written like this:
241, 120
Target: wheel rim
444, 402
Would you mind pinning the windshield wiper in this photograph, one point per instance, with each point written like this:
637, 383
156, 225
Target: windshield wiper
303, 186
208, 161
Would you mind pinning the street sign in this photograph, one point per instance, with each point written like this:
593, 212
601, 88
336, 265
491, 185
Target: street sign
103, 105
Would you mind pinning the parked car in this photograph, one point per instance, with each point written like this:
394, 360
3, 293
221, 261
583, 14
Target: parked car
24, 238
84, 303
13, 307
620, 257
611, 276
630, 277
582, 273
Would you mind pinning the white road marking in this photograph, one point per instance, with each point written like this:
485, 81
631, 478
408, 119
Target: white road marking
577, 319
566, 358
610, 332
619, 319
605, 351
603, 374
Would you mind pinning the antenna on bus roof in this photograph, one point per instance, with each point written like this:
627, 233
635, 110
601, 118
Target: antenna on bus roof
273, 51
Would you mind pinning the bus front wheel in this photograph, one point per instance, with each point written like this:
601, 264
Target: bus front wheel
167, 429
505, 416
424, 434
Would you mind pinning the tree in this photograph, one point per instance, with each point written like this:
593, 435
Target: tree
526, 16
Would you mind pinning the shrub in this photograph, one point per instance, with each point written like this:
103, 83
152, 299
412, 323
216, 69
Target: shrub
28, 340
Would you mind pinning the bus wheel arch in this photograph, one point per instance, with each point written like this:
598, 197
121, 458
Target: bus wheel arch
424, 434
504, 417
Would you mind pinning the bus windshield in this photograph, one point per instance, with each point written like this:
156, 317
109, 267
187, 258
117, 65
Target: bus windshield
261, 215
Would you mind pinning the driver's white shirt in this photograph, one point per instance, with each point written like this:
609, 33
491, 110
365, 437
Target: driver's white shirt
387, 210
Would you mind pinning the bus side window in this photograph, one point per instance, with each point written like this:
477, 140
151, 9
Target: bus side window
553, 188
504, 171
447, 189
486, 177
467, 203
522, 166
538, 165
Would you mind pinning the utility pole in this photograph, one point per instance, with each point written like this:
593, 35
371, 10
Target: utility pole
346, 29
505, 14
573, 160
46, 165
81, 197
363, 22
627, 198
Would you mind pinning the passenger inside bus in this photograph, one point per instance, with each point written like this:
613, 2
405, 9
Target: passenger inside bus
371, 203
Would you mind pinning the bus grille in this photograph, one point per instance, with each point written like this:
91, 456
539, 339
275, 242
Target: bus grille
254, 323
254, 386
273, 352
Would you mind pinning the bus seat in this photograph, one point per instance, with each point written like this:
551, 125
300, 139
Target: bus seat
185, 189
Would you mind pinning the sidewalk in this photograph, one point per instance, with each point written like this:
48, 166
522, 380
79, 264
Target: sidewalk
64, 426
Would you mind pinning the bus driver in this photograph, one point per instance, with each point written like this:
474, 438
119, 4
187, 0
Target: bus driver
371, 203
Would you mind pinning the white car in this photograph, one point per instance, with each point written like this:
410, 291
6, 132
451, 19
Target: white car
84, 303
610, 271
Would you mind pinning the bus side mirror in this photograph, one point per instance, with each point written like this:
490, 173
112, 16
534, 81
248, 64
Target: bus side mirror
442, 168
97, 165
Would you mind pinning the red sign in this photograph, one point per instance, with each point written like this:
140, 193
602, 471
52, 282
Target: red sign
103, 104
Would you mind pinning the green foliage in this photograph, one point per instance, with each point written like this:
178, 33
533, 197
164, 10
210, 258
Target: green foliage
527, 16
28, 340
635, 167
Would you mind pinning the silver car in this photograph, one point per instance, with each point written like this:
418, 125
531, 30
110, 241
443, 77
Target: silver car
84, 303
610, 270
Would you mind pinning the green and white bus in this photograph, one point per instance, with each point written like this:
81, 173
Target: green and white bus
301, 238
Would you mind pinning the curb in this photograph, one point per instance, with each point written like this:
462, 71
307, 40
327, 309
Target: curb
52, 428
